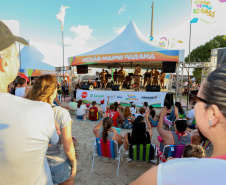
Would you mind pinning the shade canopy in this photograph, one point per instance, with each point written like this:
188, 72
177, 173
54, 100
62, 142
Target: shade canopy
32, 58
128, 49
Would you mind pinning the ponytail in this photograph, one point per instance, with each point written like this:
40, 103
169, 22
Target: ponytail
79, 103
107, 123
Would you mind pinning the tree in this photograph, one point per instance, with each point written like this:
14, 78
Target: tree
203, 53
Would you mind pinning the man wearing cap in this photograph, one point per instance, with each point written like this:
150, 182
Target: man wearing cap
26, 127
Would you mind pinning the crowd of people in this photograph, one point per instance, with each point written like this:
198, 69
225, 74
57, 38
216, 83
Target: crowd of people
37, 146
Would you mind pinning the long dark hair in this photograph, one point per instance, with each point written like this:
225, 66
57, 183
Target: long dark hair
107, 123
116, 105
152, 113
180, 109
79, 103
139, 131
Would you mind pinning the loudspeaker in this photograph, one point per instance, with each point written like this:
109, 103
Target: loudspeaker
115, 87
169, 98
85, 87
153, 88
169, 67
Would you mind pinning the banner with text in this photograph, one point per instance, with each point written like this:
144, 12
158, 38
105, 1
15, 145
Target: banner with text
125, 97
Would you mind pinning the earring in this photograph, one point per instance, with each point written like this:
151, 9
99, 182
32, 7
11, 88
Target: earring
210, 122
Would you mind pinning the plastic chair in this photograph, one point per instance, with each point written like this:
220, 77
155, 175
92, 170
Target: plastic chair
109, 149
142, 153
174, 151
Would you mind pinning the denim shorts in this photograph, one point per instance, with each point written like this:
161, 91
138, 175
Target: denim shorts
61, 172
79, 116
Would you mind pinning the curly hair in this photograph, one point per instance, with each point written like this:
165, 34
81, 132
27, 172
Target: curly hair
43, 89
127, 112
193, 151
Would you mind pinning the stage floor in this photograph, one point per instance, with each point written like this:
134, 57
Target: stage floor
131, 90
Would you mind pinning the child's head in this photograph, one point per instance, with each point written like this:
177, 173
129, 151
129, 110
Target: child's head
88, 105
150, 107
146, 104
193, 151
102, 102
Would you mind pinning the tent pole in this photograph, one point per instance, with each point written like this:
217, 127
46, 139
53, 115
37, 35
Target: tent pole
63, 57
20, 59
152, 18
189, 57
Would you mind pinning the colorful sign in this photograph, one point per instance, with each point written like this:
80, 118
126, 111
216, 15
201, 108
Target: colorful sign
207, 11
125, 97
172, 56
36, 72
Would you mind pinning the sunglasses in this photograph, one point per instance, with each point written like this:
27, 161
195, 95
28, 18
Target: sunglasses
201, 99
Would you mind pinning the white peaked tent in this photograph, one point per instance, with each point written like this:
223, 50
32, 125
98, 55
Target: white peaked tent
128, 49
32, 62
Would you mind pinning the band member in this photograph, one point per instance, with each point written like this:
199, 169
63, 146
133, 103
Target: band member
128, 80
137, 74
121, 74
162, 79
103, 79
155, 77
147, 77
115, 76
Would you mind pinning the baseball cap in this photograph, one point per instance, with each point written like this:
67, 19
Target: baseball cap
7, 38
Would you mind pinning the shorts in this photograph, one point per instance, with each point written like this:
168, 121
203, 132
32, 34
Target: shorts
61, 172
79, 116
192, 126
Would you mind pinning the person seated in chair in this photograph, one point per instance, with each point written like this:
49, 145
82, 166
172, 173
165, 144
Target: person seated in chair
153, 118
178, 137
73, 106
171, 118
127, 119
140, 134
107, 133
93, 112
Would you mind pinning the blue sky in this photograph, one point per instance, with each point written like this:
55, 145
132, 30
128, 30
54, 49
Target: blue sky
100, 22
37, 18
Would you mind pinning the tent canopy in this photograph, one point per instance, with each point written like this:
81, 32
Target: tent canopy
128, 49
32, 58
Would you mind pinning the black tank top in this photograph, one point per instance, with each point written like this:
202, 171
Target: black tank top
147, 141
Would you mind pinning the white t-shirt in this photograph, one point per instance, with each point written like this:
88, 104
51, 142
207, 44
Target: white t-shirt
104, 106
193, 171
133, 110
81, 110
55, 154
26, 129
191, 114
20, 91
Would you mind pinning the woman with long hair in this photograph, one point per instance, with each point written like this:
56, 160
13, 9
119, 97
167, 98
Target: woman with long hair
171, 118
127, 119
153, 118
210, 116
107, 133
61, 157
140, 134
81, 110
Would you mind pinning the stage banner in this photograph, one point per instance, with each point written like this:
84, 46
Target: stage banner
171, 56
125, 97
36, 72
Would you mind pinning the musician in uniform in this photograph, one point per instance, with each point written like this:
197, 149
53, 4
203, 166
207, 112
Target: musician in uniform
137, 74
103, 79
115, 76
146, 77
162, 79
121, 74
155, 77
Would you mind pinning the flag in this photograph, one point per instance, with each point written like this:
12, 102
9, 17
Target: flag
151, 38
180, 41
207, 11
164, 38
60, 16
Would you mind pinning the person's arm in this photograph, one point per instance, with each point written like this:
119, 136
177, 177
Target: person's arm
176, 113
27, 90
126, 142
69, 148
149, 128
116, 137
163, 133
97, 128
148, 178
